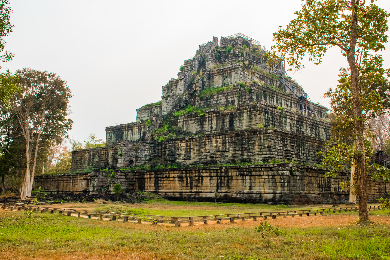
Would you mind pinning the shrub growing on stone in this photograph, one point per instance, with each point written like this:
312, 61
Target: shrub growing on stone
117, 189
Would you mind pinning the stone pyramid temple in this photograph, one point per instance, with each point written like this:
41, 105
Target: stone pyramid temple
232, 123
226, 106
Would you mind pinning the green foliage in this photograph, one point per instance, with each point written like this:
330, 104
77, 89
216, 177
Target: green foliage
229, 49
275, 161
385, 203
358, 29
165, 132
61, 162
260, 126
148, 123
211, 91
158, 103
320, 25
228, 108
39, 193
339, 155
189, 110
5, 29
117, 189
41, 110
265, 227
8, 87
241, 84
181, 68
93, 142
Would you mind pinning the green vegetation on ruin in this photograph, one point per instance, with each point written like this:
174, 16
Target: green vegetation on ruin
147, 167
158, 103
211, 91
190, 109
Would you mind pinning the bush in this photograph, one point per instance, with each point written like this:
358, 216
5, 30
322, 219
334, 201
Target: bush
385, 203
117, 189
275, 161
266, 227
242, 84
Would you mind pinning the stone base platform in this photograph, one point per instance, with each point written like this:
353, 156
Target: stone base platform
271, 183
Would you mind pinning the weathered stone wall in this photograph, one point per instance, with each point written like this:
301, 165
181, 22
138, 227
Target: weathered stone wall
254, 117
258, 145
94, 182
220, 120
148, 112
132, 132
256, 93
283, 183
76, 183
93, 159
217, 137
264, 184
124, 155
274, 134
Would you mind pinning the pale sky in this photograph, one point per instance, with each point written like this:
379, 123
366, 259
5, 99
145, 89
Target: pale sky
116, 55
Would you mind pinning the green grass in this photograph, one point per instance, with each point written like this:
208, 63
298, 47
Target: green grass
196, 208
45, 234
155, 206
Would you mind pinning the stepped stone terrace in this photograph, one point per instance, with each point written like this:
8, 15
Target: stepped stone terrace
231, 123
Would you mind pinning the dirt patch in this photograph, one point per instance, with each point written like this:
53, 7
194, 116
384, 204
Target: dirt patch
98, 255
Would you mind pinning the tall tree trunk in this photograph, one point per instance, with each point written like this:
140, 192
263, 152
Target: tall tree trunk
26, 182
35, 162
3, 184
25, 191
352, 194
359, 157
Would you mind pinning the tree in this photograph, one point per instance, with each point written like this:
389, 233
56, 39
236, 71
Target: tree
380, 127
358, 29
8, 88
117, 189
11, 159
59, 159
41, 110
60, 156
93, 142
5, 29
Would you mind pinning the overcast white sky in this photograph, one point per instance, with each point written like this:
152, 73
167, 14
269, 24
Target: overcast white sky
116, 55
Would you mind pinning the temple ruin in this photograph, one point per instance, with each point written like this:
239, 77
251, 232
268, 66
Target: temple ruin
232, 125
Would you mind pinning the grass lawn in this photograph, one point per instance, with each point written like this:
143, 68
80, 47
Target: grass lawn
52, 236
